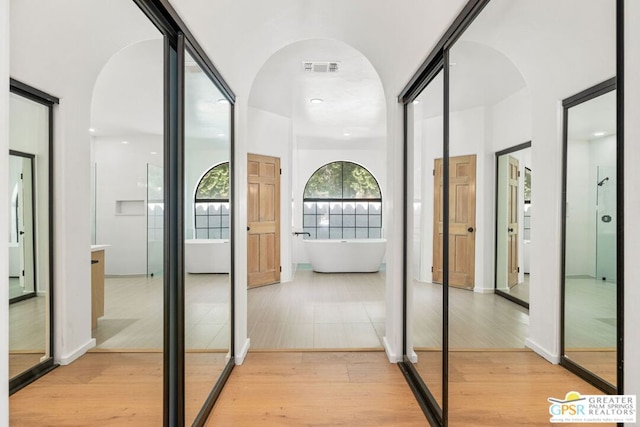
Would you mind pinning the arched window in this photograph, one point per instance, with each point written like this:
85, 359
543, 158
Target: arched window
212, 204
342, 200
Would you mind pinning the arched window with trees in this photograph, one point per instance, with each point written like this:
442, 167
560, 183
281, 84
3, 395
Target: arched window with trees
342, 200
212, 204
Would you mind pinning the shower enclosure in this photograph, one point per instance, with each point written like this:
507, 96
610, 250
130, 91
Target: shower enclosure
606, 224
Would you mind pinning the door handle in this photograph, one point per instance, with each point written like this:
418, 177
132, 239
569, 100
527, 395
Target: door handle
21, 233
510, 230
470, 229
248, 228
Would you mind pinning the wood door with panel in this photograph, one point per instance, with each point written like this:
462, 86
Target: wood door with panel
462, 221
263, 220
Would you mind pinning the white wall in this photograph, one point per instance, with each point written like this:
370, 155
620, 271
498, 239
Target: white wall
4, 210
121, 175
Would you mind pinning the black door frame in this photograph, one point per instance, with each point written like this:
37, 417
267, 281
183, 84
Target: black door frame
584, 96
29, 92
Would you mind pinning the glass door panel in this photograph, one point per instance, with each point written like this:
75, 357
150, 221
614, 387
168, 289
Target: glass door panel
590, 314
29, 323
207, 248
425, 136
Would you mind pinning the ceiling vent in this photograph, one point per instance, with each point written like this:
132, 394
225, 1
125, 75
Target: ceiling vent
320, 66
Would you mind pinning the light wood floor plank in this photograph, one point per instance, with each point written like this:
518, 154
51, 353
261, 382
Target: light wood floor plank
492, 388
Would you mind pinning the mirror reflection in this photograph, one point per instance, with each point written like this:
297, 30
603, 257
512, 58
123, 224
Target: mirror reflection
425, 145
28, 234
127, 158
513, 224
207, 247
590, 252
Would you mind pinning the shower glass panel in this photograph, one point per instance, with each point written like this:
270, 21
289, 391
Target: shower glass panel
590, 314
606, 224
426, 292
155, 219
29, 321
207, 260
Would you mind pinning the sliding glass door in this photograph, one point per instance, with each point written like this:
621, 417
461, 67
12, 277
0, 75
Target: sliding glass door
30, 235
507, 66
145, 115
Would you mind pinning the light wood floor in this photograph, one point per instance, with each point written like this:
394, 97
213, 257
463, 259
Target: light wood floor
111, 389
297, 389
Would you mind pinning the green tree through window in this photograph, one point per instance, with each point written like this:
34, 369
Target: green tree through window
211, 207
342, 180
214, 185
342, 200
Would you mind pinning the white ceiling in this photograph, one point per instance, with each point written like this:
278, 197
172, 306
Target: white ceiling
596, 115
128, 95
353, 98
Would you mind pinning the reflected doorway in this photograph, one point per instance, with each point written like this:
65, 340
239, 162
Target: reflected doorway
513, 223
22, 268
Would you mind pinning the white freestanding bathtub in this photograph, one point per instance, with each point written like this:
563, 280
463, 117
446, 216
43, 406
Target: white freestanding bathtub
207, 256
346, 256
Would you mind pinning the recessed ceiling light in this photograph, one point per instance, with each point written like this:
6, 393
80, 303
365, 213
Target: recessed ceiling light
600, 133
92, 130
346, 134
453, 64
125, 142
316, 100
223, 101
154, 152
417, 101
221, 134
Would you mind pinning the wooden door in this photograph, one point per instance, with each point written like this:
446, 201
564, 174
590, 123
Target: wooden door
462, 221
263, 217
512, 232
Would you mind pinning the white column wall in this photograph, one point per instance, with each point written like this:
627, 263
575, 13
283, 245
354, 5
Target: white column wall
240, 237
393, 220
4, 211
632, 198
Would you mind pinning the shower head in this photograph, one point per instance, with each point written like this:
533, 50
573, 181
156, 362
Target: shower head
601, 183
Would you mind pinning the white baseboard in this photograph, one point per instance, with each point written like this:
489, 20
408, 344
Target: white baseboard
413, 357
243, 352
391, 355
553, 358
484, 290
65, 360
